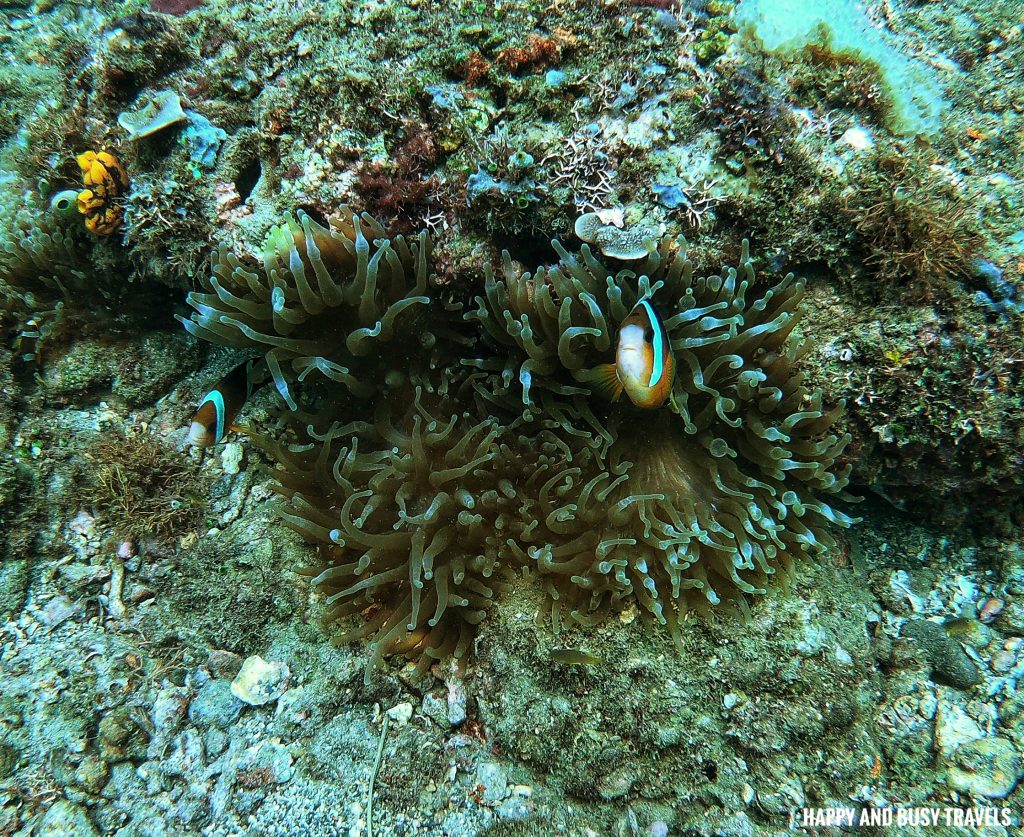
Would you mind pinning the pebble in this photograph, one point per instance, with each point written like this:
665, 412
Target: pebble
1011, 620
954, 727
435, 708
215, 742
82, 575
231, 458
59, 609
114, 731
1003, 661
92, 773
1011, 715
990, 767
9, 758
169, 708
457, 700
857, 138
617, 783
271, 758
186, 755
224, 664
949, 662
513, 809
401, 713
65, 819
215, 705
259, 682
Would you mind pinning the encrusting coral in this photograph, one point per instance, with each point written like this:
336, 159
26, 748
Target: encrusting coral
462, 461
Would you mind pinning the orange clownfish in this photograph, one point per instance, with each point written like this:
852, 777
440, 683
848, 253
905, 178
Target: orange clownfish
644, 367
219, 408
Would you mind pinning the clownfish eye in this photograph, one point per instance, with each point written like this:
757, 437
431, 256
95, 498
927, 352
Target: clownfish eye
648, 335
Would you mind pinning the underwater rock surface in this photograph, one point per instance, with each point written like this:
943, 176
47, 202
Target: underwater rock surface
362, 199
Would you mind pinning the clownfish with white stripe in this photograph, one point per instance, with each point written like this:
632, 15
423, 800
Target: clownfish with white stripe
644, 367
217, 412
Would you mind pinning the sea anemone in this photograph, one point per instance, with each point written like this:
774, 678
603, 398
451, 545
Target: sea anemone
415, 519
326, 301
454, 471
42, 257
57, 282
684, 509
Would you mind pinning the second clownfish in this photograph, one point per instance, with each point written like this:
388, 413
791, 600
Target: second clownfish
216, 413
644, 367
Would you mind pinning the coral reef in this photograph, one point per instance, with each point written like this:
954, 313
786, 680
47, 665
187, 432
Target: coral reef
56, 281
508, 461
877, 159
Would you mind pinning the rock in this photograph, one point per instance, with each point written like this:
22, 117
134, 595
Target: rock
990, 767
401, 713
82, 575
186, 756
1011, 711
215, 742
159, 112
457, 701
435, 708
492, 776
58, 610
617, 783
92, 774
954, 727
1003, 661
626, 245
295, 709
1011, 620
270, 760
224, 664
114, 731
9, 758
857, 138
231, 458
259, 682
514, 809
949, 662
65, 819
169, 709
215, 705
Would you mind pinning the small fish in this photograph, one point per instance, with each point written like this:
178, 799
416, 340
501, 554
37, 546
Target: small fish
574, 657
960, 626
644, 367
990, 610
219, 408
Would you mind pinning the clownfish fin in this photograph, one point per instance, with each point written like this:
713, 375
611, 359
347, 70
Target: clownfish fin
604, 380
244, 429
